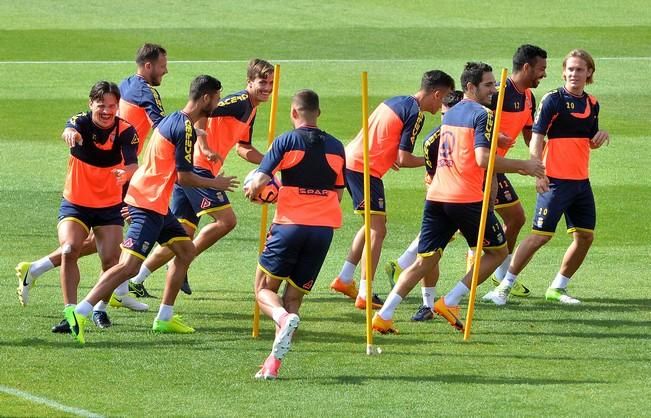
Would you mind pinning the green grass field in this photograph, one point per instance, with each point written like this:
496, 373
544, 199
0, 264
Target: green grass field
527, 359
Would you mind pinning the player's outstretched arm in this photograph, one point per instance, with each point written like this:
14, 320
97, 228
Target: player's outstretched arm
221, 182
533, 167
249, 153
409, 160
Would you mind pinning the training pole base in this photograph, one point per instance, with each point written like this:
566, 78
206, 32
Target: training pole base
372, 350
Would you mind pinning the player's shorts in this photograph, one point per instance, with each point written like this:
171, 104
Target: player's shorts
295, 253
441, 220
190, 203
148, 227
90, 217
506, 195
572, 198
355, 186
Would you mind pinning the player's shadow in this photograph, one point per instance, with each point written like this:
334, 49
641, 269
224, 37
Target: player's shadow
600, 335
453, 378
606, 323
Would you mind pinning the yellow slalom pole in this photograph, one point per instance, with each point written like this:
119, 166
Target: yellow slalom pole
367, 218
484, 206
271, 134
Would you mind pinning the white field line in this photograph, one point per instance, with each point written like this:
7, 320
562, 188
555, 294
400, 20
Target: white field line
306, 61
47, 402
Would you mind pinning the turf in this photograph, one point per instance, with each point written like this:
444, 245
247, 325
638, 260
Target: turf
528, 359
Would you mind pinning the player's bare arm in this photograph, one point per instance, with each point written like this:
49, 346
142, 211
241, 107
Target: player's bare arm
600, 138
220, 182
531, 167
249, 153
409, 160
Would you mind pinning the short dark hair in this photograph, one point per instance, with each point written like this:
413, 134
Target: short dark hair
527, 54
101, 88
473, 72
436, 79
453, 98
258, 68
204, 84
306, 101
149, 53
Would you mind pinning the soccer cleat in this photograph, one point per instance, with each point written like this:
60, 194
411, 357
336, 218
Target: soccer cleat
76, 322
498, 296
127, 302
25, 281
518, 288
392, 270
138, 289
269, 370
348, 289
376, 302
173, 326
185, 287
424, 313
450, 313
560, 296
61, 328
383, 326
283, 341
101, 319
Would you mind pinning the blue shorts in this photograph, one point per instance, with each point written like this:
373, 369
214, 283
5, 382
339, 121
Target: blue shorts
295, 253
148, 227
441, 220
355, 186
506, 195
90, 217
572, 198
190, 203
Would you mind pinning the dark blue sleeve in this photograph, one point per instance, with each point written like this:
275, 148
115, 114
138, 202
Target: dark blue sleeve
483, 125
533, 109
274, 156
153, 105
547, 110
79, 122
129, 145
410, 130
184, 138
431, 150
250, 139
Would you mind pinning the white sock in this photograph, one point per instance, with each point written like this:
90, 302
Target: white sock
471, 252
347, 272
142, 274
41, 266
84, 308
503, 268
361, 293
409, 256
277, 313
429, 294
509, 279
122, 289
560, 281
390, 305
100, 306
165, 312
454, 296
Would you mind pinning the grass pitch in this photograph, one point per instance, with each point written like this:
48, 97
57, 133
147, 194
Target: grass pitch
528, 359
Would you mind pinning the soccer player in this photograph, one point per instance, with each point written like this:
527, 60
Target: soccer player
393, 268
308, 210
229, 124
393, 128
454, 198
140, 105
568, 116
529, 65
103, 157
168, 159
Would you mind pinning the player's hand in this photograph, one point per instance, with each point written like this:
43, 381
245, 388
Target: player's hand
533, 167
395, 166
226, 183
120, 176
600, 138
212, 156
71, 137
200, 132
504, 141
542, 184
125, 214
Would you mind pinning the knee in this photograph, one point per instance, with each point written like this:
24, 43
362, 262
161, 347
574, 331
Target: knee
584, 238
70, 252
186, 256
229, 223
